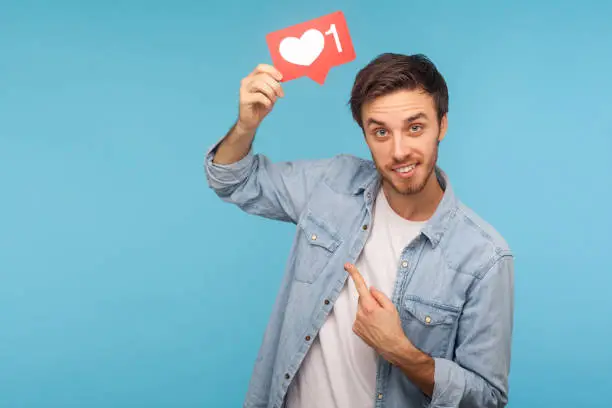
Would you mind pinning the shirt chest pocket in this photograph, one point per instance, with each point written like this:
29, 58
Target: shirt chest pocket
316, 244
430, 326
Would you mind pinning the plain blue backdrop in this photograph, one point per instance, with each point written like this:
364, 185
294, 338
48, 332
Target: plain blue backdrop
125, 282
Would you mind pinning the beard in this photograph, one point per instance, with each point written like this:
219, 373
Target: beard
416, 183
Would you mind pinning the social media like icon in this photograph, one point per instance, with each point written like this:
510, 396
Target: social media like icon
311, 48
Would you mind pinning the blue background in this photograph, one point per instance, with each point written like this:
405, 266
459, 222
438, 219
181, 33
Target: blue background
124, 282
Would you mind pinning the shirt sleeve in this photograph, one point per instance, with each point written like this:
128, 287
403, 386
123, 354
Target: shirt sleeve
478, 376
258, 186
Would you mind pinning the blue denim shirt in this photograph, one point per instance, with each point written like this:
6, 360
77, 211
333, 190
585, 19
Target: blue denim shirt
454, 287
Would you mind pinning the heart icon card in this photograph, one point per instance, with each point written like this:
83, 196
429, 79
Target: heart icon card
311, 48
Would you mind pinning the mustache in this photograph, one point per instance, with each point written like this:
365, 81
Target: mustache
405, 160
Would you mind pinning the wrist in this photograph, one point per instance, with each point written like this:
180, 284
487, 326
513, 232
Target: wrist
235, 145
415, 364
402, 353
241, 131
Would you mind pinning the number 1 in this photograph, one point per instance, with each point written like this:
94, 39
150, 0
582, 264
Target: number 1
332, 30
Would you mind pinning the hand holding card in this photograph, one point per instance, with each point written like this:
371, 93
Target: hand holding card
259, 91
311, 48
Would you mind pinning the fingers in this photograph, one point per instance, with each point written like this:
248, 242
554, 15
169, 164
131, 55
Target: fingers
268, 69
258, 93
262, 88
368, 298
258, 97
264, 74
360, 283
382, 299
267, 85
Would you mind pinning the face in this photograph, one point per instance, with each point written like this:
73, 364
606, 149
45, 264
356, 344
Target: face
402, 132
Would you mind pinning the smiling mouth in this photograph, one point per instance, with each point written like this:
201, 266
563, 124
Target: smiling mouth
405, 169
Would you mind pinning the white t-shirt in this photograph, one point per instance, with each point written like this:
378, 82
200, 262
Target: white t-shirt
339, 371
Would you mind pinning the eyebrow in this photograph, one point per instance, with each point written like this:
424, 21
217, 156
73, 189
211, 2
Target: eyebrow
420, 115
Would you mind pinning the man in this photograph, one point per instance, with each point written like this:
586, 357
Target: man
426, 318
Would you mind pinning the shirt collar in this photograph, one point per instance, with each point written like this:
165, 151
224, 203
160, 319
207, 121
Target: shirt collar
438, 223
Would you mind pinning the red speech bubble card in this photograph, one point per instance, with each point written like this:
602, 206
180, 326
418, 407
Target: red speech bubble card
311, 48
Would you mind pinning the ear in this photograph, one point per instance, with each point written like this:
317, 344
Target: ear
443, 127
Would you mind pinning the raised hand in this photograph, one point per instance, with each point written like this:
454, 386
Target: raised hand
259, 92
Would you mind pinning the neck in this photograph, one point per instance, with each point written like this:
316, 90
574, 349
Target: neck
415, 207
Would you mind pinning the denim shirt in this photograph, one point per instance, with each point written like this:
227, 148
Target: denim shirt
454, 288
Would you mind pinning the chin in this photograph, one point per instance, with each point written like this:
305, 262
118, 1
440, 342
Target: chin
409, 188
413, 185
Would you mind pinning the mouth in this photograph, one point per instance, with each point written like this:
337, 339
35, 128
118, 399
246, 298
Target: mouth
405, 171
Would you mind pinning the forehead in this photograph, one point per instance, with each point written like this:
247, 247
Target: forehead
399, 104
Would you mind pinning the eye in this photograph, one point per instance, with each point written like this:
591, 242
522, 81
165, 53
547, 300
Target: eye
416, 128
380, 132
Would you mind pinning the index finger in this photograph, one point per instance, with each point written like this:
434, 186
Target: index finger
360, 283
269, 69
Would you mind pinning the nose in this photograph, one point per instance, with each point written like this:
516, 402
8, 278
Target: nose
401, 147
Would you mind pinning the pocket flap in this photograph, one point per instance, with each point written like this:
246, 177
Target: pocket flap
318, 233
429, 313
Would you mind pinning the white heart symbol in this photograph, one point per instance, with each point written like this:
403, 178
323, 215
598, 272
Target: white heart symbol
304, 50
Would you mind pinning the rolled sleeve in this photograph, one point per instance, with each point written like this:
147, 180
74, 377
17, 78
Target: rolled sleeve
220, 176
274, 190
449, 384
478, 376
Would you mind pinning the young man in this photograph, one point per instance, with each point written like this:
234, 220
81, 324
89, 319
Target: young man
426, 317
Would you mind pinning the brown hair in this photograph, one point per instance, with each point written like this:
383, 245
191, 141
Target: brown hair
390, 72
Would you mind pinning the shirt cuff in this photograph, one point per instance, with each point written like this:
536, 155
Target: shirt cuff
223, 175
449, 384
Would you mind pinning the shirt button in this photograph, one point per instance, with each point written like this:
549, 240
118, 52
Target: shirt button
307, 338
380, 396
326, 302
404, 264
365, 227
314, 237
427, 319
287, 376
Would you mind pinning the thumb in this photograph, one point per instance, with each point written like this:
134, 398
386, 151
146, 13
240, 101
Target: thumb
381, 298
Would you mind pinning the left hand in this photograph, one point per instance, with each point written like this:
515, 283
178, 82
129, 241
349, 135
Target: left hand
377, 322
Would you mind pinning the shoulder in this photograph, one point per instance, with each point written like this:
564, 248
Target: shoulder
473, 246
487, 231
347, 173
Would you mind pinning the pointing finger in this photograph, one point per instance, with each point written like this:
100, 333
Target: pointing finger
360, 283
382, 299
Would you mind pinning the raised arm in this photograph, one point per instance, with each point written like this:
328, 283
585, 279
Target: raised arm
259, 91
252, 182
